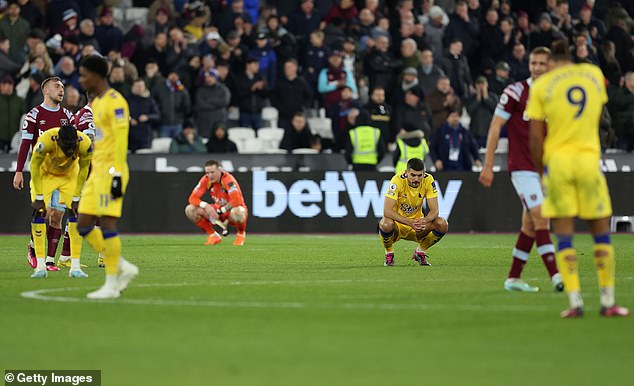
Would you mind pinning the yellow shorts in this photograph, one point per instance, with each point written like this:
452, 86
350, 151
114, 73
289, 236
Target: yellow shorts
96, 199
65, 184
406, 232
575, 187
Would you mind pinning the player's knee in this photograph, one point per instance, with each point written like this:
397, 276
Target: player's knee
442, 225
238, 215
192, 213
386, 224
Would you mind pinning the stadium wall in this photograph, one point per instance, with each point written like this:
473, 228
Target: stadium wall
324, 202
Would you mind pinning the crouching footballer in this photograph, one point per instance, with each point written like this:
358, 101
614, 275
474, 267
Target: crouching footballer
403, 216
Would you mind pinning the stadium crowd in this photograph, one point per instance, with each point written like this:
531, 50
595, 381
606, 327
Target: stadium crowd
418, 70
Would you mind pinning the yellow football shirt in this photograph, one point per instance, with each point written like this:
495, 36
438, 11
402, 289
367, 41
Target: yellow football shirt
112, 124
570, 99
409, 201
48, 158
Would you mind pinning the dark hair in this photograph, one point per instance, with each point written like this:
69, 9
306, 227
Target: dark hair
67, 133
560, 51
416, 164
212, 162
95, 64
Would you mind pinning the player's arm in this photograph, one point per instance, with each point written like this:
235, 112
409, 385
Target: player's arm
235, 197
432, 205
388, 212
538, 132
39, 153
505, 106
195, 198
28, 130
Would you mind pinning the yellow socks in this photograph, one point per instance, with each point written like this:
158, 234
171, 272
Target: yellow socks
112, 251
432, 238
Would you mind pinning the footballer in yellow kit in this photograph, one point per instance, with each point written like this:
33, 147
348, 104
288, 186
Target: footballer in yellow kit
112, 123
102, 198
61, 159
403, 216
570, 99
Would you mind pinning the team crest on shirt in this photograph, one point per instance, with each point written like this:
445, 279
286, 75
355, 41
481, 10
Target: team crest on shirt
533, 197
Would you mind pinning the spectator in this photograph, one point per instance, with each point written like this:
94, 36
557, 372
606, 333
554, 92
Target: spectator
174, 103
34, 95
210, 45
501, 79
143, 114
108, 35
562, 18
491, 39
219, 141
441, 102
178, 50
463, 28
118, 82
267, 58
314, 58
72, 99
315, 143
291, 94
16, 29
212, 100
160, 6
364, 146
189, 75
380, 65
480, 107
200, 16
345, 11
429, 72
296, 133
453, 147
7, 66
11, 110
455, 65
509, 38
363, 30
381, 114
152, 76
545, 35
304, 21
227, 20
595, 26
524, 30
282, 41
621, 108
332, 81
69, 27
518, 63
87, 33
610, 65
619, 34
409, 53
31, 13
55, 14
350, 55
409, 144
187, 141
161, 24
341, 113
250, 90
414, 114
435, 30
67, 72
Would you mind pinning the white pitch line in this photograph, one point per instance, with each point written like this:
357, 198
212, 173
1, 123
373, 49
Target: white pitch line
43, 295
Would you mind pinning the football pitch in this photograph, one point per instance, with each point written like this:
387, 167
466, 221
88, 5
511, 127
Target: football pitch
316, 310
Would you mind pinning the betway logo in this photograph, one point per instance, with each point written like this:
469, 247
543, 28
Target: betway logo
304, 198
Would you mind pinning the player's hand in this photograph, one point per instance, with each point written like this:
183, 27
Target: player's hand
116, 188
486, 177
418, 224
18, 181
75, 207
210, 212
38, 205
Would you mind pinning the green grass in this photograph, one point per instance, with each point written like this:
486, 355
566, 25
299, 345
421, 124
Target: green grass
317, 310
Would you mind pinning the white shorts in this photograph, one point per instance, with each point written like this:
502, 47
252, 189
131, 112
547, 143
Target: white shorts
528, 186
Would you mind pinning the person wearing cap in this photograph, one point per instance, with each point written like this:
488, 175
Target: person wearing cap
480, 107
11, 110
545, 34
211, 103
69, 28
219, 141
452, 147
332, 81
365, 147
435, 30
498, 81
187, 141
109, 36
266, 56
409, 144
16, 29
456, 66
144, 113
210, 45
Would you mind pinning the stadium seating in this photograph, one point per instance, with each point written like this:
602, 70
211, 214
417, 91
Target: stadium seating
270, 138
159, 145
321, 126
271, 116
305, 150
245, 140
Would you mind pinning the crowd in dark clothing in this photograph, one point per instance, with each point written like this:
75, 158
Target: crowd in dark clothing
407, 63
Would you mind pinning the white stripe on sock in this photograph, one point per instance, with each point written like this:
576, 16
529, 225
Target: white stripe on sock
520, 254
546, 248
